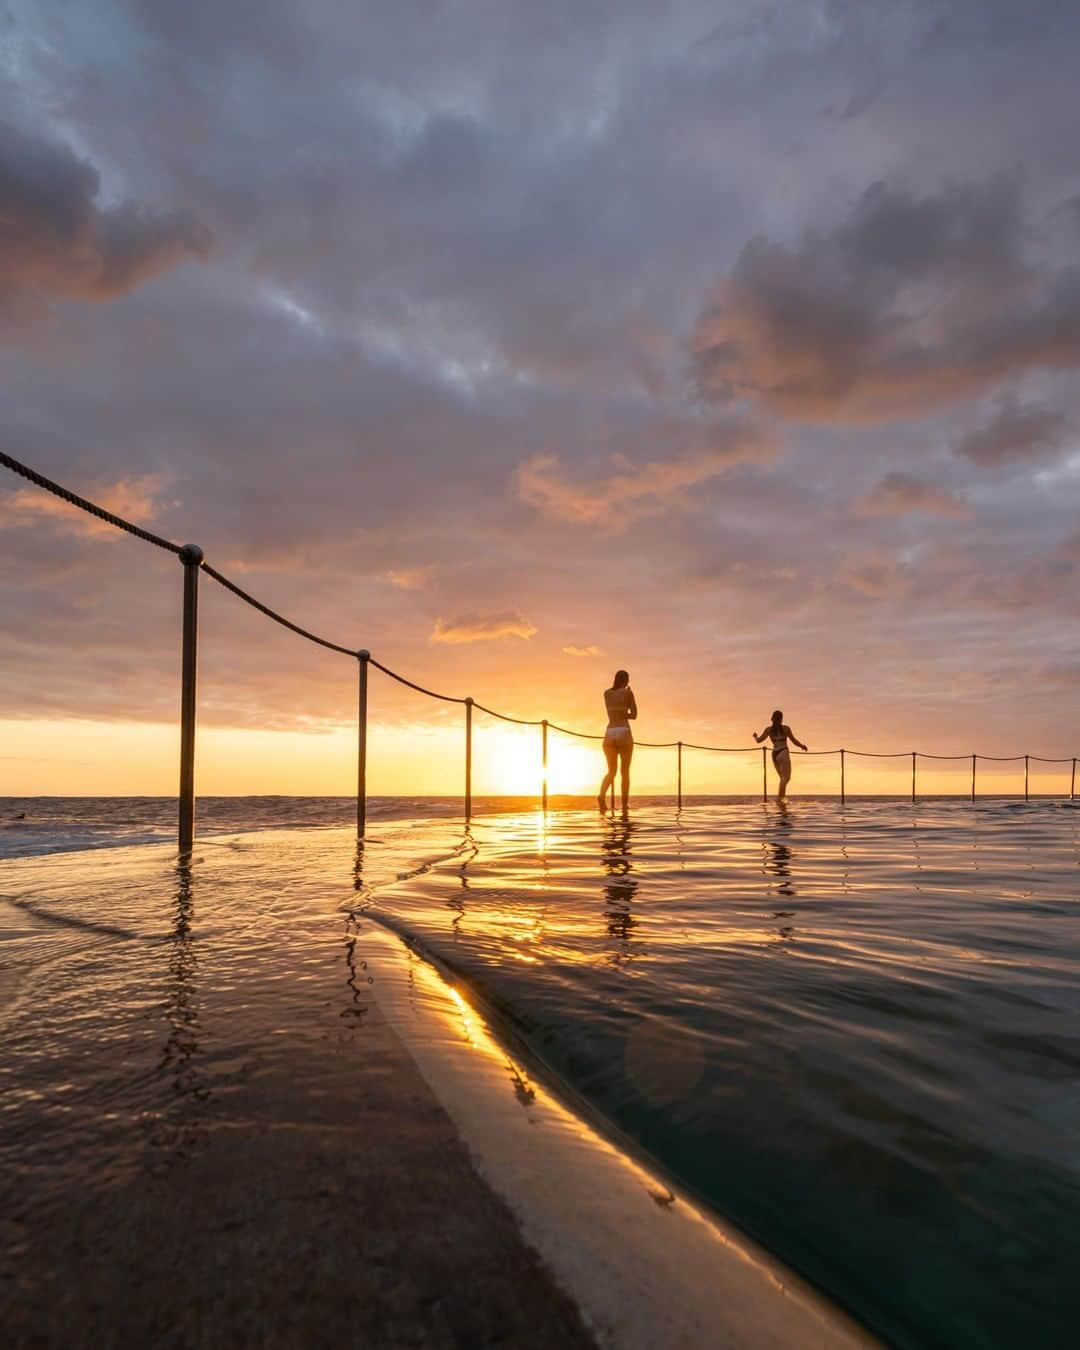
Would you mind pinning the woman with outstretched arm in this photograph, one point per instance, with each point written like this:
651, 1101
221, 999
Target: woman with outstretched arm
779, 733
621, 709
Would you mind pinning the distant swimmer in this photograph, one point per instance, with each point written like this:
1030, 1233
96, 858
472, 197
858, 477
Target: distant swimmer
780, 734
618, 738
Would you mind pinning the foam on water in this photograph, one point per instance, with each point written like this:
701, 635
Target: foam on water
34, 826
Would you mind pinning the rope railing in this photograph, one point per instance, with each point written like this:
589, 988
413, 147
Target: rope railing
65, 494
223, 580
194, 562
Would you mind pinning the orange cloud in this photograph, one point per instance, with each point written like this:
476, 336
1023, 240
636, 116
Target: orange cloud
629, 490
1016, 432
407, 578
908, 304
58, 242
901, 494
136, 499
582, 651
482, 627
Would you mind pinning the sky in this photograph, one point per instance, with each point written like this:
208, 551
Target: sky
732, 343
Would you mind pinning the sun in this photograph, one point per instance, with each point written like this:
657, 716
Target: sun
508, 761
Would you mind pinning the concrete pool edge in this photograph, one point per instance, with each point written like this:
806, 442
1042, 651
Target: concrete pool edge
644, 1263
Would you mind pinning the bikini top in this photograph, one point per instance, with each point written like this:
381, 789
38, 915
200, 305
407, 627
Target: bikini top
617, 701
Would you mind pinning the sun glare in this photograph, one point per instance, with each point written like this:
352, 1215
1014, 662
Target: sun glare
508, 761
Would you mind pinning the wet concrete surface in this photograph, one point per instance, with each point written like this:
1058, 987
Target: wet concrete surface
290, 1218
209, 1134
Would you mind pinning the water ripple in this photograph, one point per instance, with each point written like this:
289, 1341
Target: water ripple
855, 1031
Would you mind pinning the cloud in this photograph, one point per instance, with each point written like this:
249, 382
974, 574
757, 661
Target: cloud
911, 303
874, 576
901, 494
1048, 581
582, 651
426, 274
407, 578
1016, 432
482, 627
1062, 675
137, 499
56, 242
626, 490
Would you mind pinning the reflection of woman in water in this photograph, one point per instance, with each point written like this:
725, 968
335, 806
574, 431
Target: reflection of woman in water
620, 886
779, 733
618, 738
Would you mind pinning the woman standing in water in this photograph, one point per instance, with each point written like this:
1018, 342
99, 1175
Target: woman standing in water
618, 738
780, 734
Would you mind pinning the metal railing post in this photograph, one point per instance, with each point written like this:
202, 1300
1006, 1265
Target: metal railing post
363, 657
973, 758
1072, 784
543, 756
191, 556
680, 778
843, 792
1026, 796
913, 754
468, 759
764, 777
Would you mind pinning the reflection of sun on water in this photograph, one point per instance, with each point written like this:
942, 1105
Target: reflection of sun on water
467, 1015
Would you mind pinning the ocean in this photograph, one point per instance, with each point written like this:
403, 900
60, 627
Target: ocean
853, 1030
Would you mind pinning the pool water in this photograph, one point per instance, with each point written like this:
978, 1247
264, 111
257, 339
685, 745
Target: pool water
855, 1031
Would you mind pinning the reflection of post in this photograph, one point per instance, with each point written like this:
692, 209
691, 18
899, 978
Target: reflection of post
356, 1009
843, 792
181, 1002
358, 866
468, 759
680, 776
361, 746
192, 558
543, 757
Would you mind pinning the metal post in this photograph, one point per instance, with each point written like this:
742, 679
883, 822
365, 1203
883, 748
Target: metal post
973, 758
843, 794
468, 760
1072, 784
191, 556
913, 753
363, 657
764, 777
543, 743
680, 776
1026, 797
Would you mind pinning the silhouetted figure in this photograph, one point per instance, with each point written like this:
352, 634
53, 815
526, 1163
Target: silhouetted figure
619, 888
780, 734
618, 738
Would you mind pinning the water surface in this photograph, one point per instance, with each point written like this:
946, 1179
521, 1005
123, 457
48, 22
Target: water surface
855, 1031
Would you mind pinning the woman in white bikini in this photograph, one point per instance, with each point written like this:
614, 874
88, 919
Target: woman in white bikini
618, 738
780, 734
